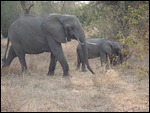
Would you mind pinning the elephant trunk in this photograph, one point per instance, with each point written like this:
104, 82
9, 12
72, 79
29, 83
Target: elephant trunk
83, 44
85, 52
80, 37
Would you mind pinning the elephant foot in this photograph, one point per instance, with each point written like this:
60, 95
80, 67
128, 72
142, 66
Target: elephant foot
24, 69
66, 75
26, 72
50, 73
84, 70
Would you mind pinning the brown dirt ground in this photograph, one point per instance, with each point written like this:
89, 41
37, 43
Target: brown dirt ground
118, 89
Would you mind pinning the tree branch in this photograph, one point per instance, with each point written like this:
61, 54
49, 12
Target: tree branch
26, 10
30, 7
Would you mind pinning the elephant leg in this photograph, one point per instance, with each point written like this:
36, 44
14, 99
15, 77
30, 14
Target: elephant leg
52, 65
83, 67
11, 56
107, 61
57, 51
103, 57
81, 59
21, 55
114, 60
78, 62
22, 62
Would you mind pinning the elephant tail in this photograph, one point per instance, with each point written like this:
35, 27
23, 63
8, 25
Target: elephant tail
4, 58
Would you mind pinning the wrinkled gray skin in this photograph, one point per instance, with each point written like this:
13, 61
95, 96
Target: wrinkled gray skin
34, 35
102, 48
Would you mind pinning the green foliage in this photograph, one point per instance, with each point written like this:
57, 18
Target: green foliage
142, 72
137, 19
46, 7
127, 22
10, 11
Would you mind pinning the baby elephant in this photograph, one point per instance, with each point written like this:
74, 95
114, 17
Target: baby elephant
102, 48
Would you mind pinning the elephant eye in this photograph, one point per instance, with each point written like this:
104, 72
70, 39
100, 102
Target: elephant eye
71, 28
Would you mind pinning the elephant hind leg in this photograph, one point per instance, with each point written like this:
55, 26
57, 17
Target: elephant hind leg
22, 61
11, 56
21, 55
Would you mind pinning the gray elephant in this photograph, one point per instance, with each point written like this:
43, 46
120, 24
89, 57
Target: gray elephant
34, 35
102, 48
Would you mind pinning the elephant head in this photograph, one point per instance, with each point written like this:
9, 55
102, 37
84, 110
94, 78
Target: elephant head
117, 50
63, 28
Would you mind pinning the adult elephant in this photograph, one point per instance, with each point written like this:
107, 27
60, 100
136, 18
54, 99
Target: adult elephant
34, 35
102, 48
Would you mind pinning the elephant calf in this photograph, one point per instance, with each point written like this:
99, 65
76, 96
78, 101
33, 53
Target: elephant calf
102, 48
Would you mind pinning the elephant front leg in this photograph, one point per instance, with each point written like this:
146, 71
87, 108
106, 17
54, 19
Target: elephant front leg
52, 65
57, 51
102, 57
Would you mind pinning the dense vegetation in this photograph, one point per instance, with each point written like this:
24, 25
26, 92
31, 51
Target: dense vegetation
123, 21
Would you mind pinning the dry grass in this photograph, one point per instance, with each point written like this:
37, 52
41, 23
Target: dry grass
119, 89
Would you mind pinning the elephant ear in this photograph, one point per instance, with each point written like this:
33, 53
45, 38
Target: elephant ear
112, 47
53, 27
67, 28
